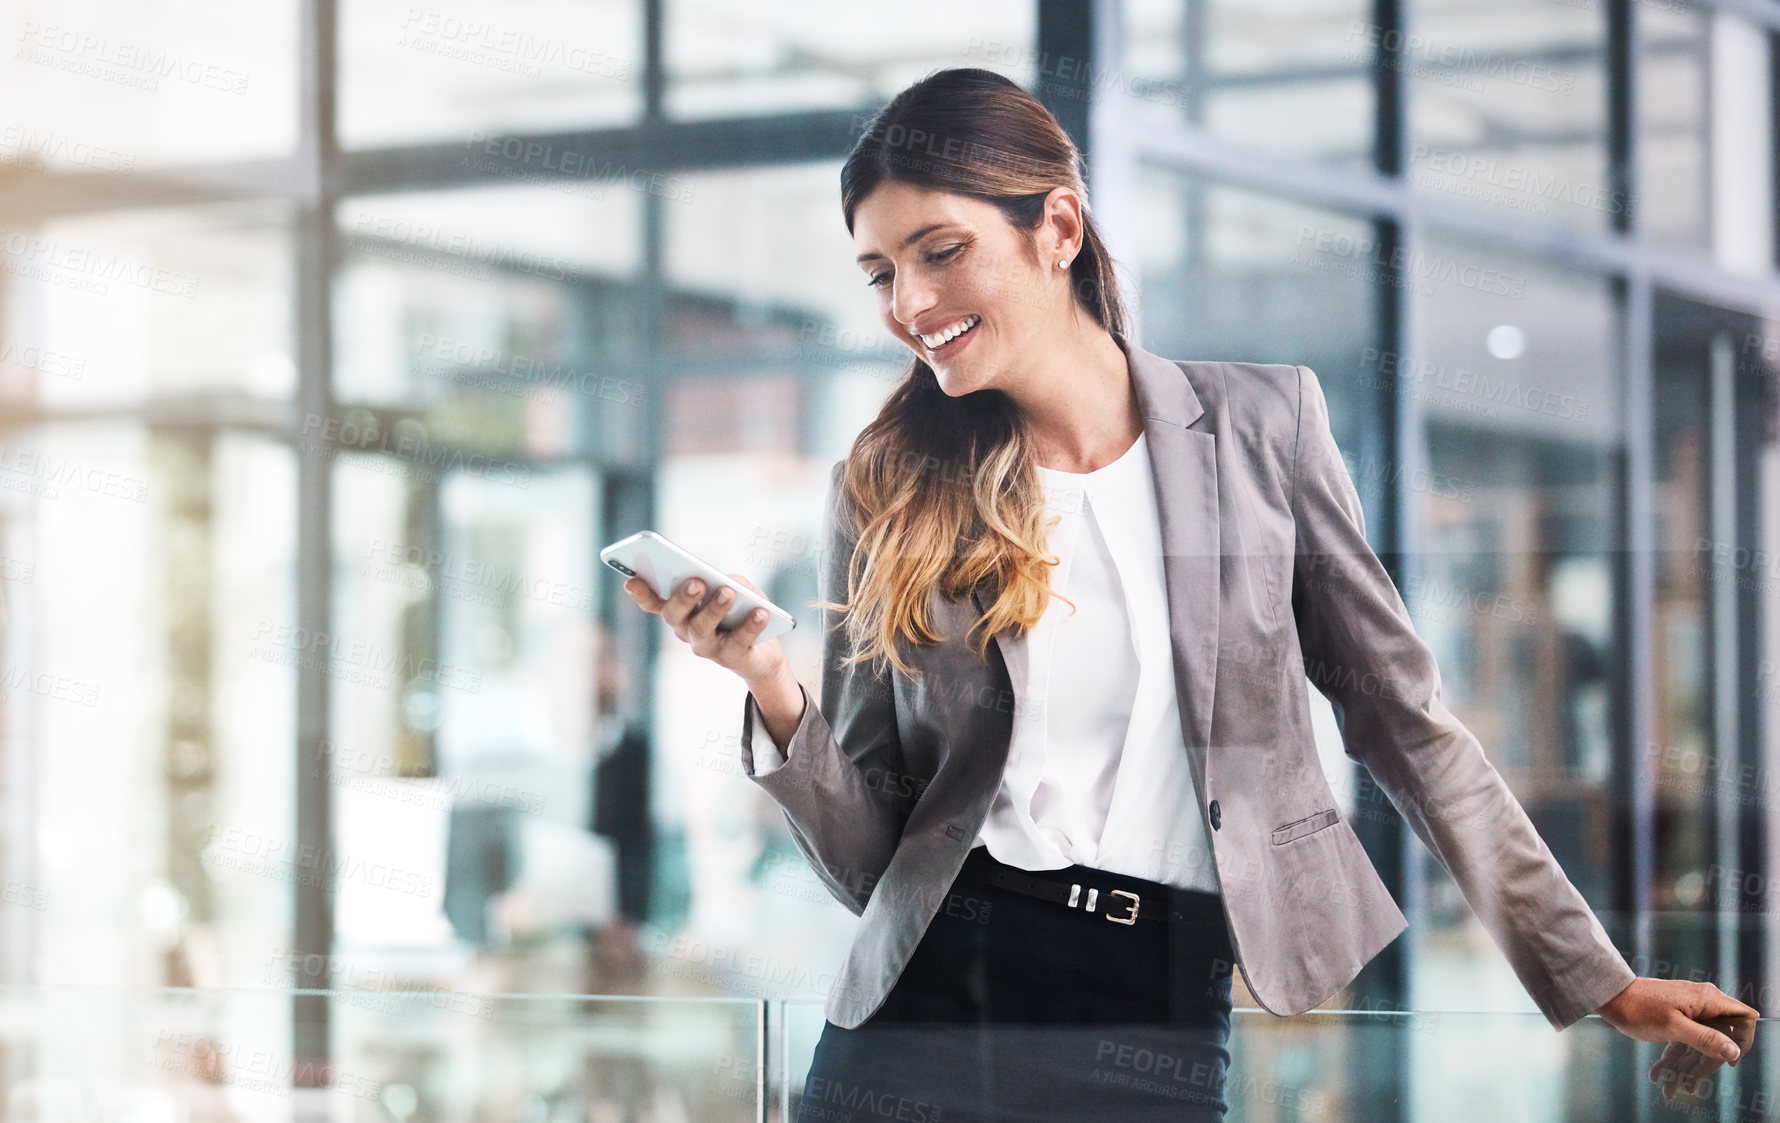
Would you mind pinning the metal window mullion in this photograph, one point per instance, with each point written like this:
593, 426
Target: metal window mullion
1728, 750
1113, 166
316, 250
1632, 781
654, 77
1385, 1064
1633, 768
1774, 148
1065, 57
1708, 175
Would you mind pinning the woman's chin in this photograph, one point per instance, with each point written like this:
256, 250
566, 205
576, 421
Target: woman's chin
955, 384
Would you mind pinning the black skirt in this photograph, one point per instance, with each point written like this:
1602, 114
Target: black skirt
1016, 1008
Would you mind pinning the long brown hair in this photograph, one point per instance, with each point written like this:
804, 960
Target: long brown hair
945, 489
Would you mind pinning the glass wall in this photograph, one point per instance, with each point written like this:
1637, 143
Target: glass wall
1514, 373
1293, 78
1508, 108
285, 422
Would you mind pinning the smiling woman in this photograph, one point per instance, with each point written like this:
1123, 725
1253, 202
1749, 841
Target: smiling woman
1048, 886
967, 202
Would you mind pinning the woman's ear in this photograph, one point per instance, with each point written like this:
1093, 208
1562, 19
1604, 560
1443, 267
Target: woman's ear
1061, 233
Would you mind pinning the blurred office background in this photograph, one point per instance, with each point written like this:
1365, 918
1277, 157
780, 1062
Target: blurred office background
336, 336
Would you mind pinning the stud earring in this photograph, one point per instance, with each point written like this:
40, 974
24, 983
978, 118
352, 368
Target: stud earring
1064, 264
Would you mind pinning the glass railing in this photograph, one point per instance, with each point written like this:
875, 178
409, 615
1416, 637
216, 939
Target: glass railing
142, 1055
1356, 1066
124, 1055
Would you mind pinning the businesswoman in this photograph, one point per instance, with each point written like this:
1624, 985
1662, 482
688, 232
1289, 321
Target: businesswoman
1063, 766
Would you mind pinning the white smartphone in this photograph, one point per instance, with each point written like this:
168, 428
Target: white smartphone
664, 566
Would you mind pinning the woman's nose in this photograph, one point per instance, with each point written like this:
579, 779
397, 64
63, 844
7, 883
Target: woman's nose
908, 300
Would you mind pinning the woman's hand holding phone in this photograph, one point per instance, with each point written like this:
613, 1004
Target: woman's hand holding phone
697, 626
762, 666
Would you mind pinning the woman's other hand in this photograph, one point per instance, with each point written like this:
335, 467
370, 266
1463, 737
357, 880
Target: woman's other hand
1704, 1027
736, 650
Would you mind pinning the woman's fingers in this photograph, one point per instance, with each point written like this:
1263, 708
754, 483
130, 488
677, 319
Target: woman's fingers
697, 626
682, 604
1679, 1070
702, 628
1734, 1019
678, 610
645, 597
742, 637
1703, 1025
1714, 1003
1712, 1046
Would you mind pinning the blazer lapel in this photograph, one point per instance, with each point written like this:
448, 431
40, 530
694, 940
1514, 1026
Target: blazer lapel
1183, 463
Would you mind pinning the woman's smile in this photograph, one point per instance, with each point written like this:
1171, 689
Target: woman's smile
949, 340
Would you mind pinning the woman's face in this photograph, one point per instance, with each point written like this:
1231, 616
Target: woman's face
940, 263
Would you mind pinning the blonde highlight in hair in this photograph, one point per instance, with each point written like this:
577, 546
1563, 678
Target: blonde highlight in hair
944, 491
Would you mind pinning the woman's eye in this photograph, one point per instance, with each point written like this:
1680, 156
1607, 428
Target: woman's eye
938, 258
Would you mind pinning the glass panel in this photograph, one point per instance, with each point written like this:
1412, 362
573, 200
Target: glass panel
1673, 180
400, 1053
149, 719
1513, 371
129, 306
462, 734
725, 59
1508, 108
1230, 274
1292, 77
1304, 1068
1713, 697
99, 86
1744, 126
1705, 147
498, 322
471, 71
782, 280
1683, 739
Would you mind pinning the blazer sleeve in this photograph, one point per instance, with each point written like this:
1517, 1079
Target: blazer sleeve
1362, 652
832, 778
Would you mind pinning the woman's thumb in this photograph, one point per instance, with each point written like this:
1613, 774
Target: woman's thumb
1706, 1040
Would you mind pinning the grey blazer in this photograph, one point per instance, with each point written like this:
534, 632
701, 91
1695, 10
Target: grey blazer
1269, 579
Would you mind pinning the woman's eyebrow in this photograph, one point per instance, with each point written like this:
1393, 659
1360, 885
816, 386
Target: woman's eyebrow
908, 241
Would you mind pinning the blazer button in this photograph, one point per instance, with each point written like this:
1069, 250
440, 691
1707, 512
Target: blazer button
1217, 820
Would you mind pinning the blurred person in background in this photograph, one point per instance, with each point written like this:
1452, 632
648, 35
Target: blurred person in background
621, 808
1061, 843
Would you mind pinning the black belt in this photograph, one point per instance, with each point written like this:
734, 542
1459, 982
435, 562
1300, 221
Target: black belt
1119, 905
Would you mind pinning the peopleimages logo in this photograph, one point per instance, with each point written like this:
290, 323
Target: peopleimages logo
1419, 52
29, 254
1464, 382
1487, 171
401, 237
263, 855
24, 146
553, 165
1414, 267
120, 61
505, 48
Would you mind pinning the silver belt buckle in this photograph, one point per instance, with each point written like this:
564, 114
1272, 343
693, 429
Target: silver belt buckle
1130, 918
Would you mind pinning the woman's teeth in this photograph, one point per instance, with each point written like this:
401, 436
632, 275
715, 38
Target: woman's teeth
934, 342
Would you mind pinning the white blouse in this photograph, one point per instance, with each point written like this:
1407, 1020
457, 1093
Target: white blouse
1098, 775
